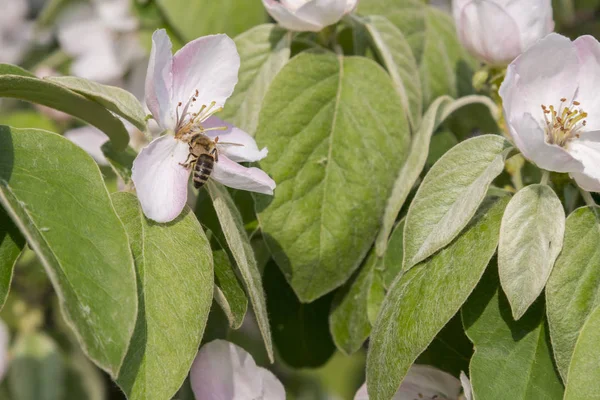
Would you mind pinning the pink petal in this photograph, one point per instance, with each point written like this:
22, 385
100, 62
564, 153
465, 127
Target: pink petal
586, 149
322, 12
208, 64
159, 80
588, 51
234, 175
161, 183
247, 152
585, 182
224, 371
533, 17
89, 139
288, 19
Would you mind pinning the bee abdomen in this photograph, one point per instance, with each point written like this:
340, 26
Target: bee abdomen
203, 169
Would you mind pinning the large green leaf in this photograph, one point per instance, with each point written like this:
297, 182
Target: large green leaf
175, 289
512, 359
54, 193
573, 290
264, 50
439, 110
239, 245
450, 194
115, 99
37, 369
422, 300
531, 238
228, 292
47, 93
584, 369
11, 245
336, 143
204, 17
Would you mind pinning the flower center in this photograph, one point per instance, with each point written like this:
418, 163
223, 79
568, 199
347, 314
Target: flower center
190, 123
564, 124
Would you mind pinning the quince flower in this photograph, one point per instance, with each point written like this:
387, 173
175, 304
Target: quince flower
183, 91
308, 15
497, 31
426, 382
224, 371
552, 107
16, 32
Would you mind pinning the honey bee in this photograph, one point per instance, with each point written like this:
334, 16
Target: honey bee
203, 155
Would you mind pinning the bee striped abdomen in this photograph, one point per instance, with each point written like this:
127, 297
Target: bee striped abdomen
203, 169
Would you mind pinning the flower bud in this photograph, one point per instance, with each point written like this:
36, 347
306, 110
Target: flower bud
308, 15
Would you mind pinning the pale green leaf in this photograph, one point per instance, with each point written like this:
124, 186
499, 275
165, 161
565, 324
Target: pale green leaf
584, 369
573, 289
422, 300
239, 245
440, 144
264, 50
512, 359
531, 237
11, 245
37, 368
228, 292
47, 93
175, 290
115, 99
450, 194
336, 142
54, 193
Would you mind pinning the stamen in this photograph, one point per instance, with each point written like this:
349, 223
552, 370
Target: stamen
564, 124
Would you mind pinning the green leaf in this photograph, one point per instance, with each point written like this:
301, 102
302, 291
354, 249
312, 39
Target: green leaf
54, 193
113, 98
239, 245
349, 322
336, 142
37, 369
531, 237
573, 289
450, 194
398, 59
228, 292
394, 255
11, 246
422, 300
512, 359
584, 369
175, 289
204, 17
440, 144
121, 162
264, 50
439, 110
47, 93
9, 69
83, 381
300, 331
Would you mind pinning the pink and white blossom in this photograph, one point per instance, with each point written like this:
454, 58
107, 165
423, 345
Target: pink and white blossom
183, 92
224, 371
552, 108
308, 15
16, 32
497, 31
426, 382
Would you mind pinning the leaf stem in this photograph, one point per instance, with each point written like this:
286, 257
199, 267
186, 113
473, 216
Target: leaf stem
545, 177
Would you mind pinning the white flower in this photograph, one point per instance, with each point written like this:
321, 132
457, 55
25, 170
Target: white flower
101, 38
183, 91
89, 139
16, 33
427, 383
497, 31
4, 342
224, 371
552, 108
308, 15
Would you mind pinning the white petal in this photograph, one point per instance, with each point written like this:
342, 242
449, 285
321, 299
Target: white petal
208, 64
161, 183
586, 149
585, 182
530, 139
362, 393
116, 14
350, 5
89, 139
159, 80
287, 19
466, 386
533, 17
224, 371
322, 12
4, 342
588, 51
247, 152
234, 175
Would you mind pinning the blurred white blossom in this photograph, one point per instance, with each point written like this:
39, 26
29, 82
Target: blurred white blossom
16, 32
308, 15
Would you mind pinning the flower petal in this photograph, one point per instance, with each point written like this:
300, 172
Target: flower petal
161, 183
234, 175
159, 80
4, 351
288, 19
224, 371
208, 64
533, 17
586, 149
247, 152
585, 182
588, 51
322, 12
530, 139
350, 6
466, 386
89, 139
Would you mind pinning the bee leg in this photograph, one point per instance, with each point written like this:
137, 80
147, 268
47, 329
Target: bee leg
187, 162
215, 154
